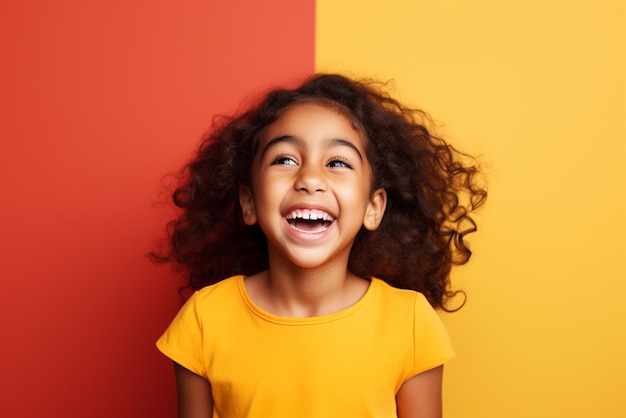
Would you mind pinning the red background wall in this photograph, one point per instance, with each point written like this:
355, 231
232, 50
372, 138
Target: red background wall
99, 100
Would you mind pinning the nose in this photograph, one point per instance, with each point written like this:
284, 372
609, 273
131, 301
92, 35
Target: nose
310, 179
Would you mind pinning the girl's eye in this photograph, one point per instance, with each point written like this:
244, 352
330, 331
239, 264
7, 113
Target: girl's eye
339, 163
284, 161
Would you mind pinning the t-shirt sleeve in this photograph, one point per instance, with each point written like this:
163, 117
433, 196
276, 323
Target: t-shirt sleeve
182, 341
432, 343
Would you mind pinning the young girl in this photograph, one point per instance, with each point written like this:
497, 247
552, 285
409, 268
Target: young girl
319, 229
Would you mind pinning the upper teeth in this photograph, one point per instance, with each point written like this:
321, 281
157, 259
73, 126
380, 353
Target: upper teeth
310, 215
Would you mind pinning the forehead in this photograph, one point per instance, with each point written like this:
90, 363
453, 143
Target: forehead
315, 121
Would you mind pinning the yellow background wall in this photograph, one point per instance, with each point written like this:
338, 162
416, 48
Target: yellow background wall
538, 88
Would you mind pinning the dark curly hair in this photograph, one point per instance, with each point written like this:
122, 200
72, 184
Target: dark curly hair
431, 190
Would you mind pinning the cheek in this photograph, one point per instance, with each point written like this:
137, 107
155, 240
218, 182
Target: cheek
356, 197
268, 190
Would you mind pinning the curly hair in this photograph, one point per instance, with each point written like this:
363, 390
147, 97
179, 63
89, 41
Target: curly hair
431, 190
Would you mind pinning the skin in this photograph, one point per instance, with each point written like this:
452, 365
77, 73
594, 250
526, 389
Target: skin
420, 396
194, 394
311, 160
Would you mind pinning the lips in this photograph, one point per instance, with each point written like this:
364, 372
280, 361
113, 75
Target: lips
309, 220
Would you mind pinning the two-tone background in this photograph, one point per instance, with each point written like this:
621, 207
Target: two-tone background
100, 99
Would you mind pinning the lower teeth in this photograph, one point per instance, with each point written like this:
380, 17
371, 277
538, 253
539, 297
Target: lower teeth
309, 226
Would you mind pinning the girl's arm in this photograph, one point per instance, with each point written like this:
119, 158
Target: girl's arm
194, 394
420, 396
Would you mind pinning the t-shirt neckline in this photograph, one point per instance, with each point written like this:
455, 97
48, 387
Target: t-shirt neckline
312, 320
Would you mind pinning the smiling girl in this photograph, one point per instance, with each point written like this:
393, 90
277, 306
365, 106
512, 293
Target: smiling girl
318, 230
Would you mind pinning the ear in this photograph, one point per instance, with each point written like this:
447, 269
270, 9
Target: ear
247, 205
375, 209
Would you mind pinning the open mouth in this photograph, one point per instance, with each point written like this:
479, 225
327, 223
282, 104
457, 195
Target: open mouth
309, 220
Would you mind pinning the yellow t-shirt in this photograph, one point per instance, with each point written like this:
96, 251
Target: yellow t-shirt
347, 364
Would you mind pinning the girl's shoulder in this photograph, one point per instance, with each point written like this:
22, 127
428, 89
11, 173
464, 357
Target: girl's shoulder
385, 289
399, 299
217, 295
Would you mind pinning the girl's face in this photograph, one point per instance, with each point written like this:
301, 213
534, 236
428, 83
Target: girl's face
311, 188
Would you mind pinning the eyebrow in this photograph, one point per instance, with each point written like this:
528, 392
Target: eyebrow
335, 142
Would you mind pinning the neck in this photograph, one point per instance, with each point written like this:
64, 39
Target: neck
314, 284
296, 292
